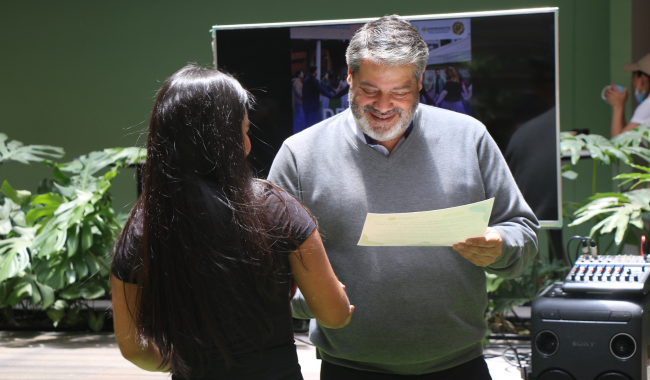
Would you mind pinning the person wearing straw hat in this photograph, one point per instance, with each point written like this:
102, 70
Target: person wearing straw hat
617, 98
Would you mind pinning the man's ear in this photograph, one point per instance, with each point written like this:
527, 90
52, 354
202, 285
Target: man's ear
350, 75
420, 81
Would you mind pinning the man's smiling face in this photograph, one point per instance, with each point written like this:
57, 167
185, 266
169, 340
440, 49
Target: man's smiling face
383, 99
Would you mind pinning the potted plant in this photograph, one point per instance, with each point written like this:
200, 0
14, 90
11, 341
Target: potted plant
55, 246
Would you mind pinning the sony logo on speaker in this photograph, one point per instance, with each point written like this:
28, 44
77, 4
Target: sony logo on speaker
583, 344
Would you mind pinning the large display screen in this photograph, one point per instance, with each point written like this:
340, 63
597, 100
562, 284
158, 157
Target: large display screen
499, 67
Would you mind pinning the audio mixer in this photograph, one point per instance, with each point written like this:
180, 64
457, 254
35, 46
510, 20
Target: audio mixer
622, 273
598, 273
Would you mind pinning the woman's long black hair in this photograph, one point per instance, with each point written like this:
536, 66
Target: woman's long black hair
205, 257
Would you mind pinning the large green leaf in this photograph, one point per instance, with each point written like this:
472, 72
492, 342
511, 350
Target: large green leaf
90, 289
620, 149
21, 290
47, 294
632, 138
86, 237
11, 215
57, 311
80, 266
618, 212
14, 257
6, 287
20, 197
96, 321
43, 206
55, 277
16, 151
73, 240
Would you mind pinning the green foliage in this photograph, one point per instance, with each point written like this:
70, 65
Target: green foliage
640, 178
55, 246
622, 148
611, 212
16, 151
614, 212
504, 294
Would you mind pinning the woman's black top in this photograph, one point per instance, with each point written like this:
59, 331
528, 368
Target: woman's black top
454, 91
275, 357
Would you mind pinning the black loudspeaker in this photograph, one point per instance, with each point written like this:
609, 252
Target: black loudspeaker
588, 336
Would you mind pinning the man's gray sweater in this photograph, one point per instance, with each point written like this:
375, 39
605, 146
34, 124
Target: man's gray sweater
418, 309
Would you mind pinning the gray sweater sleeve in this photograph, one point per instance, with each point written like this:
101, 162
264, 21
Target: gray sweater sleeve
284, 173
511, 215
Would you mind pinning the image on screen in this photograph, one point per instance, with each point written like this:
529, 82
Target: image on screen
498, 69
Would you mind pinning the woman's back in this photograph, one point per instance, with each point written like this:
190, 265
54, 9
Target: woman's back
202, 267
290, 226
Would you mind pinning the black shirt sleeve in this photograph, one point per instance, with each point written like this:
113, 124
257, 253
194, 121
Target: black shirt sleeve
291, 226
290, 218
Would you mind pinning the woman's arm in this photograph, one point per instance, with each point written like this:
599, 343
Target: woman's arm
131, 347
318, 283
441, 97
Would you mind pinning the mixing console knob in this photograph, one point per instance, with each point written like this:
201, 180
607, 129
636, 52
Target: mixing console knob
636, 277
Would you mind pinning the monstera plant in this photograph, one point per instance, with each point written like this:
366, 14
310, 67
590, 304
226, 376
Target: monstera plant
615, 212
610, 212
55, 245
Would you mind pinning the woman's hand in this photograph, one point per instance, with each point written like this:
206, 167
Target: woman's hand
615, 97
323, 292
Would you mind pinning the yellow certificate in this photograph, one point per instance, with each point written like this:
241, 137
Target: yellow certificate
444, 227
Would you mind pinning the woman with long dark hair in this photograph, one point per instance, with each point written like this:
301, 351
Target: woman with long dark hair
202, 272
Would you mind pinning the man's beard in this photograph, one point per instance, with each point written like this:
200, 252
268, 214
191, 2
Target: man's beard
379, 132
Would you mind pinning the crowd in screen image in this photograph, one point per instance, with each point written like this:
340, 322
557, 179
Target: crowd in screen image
311, 97
448, 89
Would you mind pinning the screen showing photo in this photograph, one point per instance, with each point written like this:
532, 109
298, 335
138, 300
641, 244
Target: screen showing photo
497, 69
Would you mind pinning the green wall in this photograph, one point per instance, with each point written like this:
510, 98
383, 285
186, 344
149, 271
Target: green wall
83, 75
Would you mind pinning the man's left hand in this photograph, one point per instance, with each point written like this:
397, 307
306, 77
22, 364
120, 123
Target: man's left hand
481, 251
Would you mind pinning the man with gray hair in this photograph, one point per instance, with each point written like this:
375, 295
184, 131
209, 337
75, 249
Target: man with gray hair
419, 310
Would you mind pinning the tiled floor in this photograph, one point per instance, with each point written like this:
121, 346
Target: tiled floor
88, 356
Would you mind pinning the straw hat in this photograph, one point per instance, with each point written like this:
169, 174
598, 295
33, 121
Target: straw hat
642, 65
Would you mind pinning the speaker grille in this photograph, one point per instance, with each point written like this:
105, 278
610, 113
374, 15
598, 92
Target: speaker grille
547, 343
622, 346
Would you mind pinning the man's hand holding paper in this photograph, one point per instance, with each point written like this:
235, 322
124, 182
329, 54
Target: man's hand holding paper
481, 251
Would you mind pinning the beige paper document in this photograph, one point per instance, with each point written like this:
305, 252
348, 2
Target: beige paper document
444, 227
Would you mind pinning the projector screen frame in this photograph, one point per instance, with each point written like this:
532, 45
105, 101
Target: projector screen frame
550, 224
